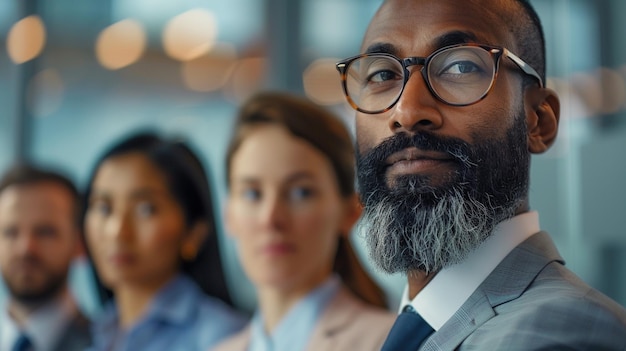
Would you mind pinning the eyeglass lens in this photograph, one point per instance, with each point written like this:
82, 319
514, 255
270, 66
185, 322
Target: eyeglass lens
459, 76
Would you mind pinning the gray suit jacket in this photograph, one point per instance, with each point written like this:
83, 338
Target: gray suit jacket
532, 302
77, 335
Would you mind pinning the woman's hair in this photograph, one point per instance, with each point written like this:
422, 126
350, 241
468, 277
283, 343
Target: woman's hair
328, 134
188, 183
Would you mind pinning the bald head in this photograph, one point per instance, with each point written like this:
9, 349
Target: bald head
518, 16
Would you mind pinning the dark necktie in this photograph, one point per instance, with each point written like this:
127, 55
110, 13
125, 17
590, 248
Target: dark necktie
408, 332
22, 343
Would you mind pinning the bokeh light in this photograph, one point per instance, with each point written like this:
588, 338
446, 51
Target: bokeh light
121, 44
190, 35
589, 89
246, 79
613, 90
322, 83
602, 91
210, 72
26, 39
622, 72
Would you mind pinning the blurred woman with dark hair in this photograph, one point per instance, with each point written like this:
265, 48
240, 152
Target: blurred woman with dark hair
291, 208
150, 231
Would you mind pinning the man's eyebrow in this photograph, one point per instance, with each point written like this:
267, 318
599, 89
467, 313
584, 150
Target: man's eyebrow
378, 48
455, 38
451, 38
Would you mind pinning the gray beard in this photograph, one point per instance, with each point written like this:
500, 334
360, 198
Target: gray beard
438, 237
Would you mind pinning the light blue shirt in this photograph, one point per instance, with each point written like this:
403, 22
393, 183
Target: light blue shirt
295, 328
180, 318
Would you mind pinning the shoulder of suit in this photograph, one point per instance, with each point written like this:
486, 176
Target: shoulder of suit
558, 307
558, 287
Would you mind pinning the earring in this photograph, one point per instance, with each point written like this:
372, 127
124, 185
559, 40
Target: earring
188, 252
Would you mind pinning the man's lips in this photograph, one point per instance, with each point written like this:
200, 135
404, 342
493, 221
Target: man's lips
413, 160
415, 154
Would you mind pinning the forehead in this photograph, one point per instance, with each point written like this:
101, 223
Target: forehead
273, 151
127, 172
37, 200
417, 27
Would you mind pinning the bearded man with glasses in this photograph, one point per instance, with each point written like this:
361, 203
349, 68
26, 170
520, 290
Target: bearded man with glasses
451, 103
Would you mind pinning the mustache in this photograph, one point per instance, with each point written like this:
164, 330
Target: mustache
459, 150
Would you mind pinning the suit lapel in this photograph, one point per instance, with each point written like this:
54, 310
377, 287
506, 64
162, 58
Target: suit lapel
77, 335
518, 270
337, 315
474, 312
507, 282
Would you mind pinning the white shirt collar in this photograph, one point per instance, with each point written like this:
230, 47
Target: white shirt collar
9, 331
294, 330
452, 286
44, 326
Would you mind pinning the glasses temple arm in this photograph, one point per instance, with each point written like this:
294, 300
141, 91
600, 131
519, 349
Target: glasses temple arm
524, 66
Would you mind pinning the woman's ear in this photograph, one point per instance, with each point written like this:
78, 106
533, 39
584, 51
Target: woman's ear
193, 240
542, 118
352, 213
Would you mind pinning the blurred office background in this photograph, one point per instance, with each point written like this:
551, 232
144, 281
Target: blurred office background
76, 75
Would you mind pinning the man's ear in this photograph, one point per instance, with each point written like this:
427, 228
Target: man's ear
79, 248
542, 118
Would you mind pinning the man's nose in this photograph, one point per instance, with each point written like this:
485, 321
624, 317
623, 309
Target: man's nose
26, 243
417, 108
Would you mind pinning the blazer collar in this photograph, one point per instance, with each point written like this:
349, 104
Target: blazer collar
507, 282
339, 313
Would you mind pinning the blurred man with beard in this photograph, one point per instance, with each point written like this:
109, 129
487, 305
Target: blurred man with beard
39, 238
451, 103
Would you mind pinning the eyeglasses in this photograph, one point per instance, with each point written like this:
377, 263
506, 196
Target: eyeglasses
457, 75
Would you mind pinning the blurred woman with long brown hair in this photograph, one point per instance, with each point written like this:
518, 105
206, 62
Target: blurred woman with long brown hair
291, 207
